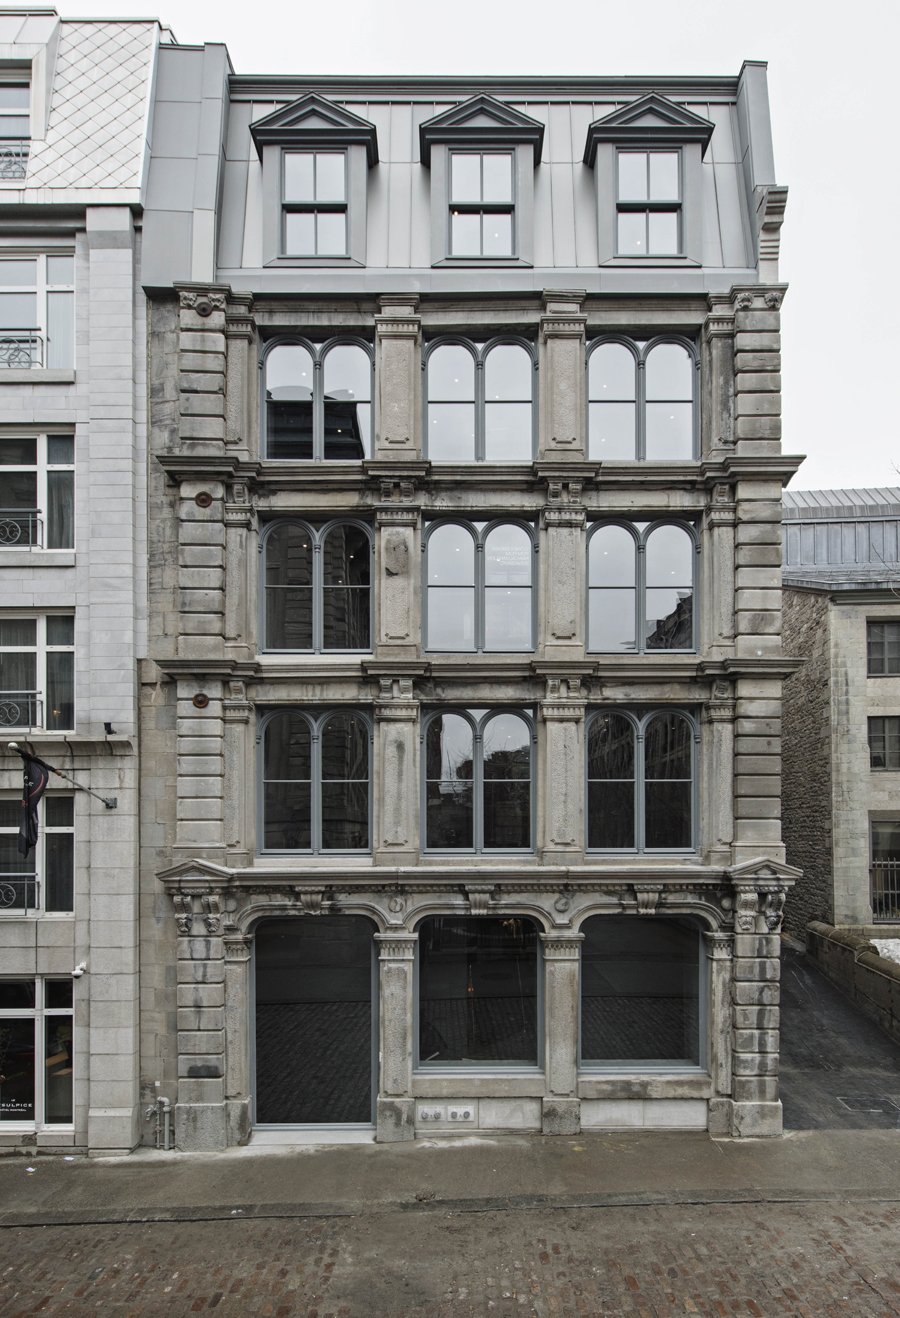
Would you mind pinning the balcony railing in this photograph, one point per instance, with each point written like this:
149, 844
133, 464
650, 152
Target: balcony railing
20, 709
14, 157
885, 884
21, 349
20, 528
18, 893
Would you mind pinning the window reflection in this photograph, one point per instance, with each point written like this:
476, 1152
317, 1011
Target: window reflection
652, 590
640, 772
317, 587
315, 781
318, 402
478, 781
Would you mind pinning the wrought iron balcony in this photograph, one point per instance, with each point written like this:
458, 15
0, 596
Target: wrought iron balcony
884, 877
18, 893
20, 709
14, 157
21, 349
20, 528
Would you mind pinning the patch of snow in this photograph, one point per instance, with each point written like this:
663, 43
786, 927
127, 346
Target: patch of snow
888, 947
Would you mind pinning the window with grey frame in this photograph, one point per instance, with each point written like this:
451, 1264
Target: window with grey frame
316, 586
883, 649
641, 997
478, 775
317, 400
642, 400
482, 204
37, 491
314, 203
884, 874
480, 401
641, 587
479, 586
641, 775
315, 792
648, 203
884, 742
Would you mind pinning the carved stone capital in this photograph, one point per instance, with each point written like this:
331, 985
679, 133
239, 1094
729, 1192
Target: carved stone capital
396, 947
719, 946
408, 516
562, 947
572, 517
237, 948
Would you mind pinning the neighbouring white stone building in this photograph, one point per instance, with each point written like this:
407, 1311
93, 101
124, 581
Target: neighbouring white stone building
75, 102
461, 719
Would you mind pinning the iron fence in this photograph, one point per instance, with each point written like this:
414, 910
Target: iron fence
20, 528
21, 349
18, 892
884, 878
14, 158
20, 709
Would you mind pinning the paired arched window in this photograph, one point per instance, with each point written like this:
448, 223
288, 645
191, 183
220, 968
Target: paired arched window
318, 400
317, 586
479, 586
480, 401
478, 775
316, 770
642, 400
641, 578
640, 781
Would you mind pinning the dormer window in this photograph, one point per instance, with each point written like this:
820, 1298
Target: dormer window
315, 157
15, 127
482, 156
647, 160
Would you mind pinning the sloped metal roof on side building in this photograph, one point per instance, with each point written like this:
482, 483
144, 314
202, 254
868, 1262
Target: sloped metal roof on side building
842, 539
97, 125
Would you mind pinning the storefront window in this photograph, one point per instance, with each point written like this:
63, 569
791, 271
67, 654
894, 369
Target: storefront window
36, 1055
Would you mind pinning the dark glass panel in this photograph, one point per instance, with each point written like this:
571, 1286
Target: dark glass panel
59, 811
58, 1065
610, 747
59, 849
9, 813
507, 815
289, 393
18, 631
885, 839
18, 887
611, 815
60, 509
478, 990
346, 618
508, 433
289, 556
451, 374
18, 452
345, 816
347, 430
287, 811
287, 747
448, 787
345, 556
506, 742
668, 811
60, 450
667, 747
314, 1020
61, 629
667, 775
17, 994
345, 748
60, 710
17, 1084
669, 600
632, 176
640, 990
289, 618
58, 993
669, 624
18, 489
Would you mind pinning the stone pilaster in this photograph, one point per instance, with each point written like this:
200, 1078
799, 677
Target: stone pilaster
561, 1107
756, 975
562, 712
238, 803
237, 1012
398, 376
757, 768
717, 565
757, 367
396, 757
241, 561
395, 1118
717, 403
201, 365
563, 429
717, 766
200, 766
719, 955
241, 374
201, 569
562, 576
398, 571
200, 1123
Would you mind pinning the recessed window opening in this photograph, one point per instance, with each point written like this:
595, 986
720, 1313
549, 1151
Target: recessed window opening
640, 774
479, 587
36, 1053
478, 775
315, 203
318, 401
37, 491
641, 587
481, 204
15, 127
480, 402
316, 770
44, 879
317, 587
641, 401
648, 219
37, 320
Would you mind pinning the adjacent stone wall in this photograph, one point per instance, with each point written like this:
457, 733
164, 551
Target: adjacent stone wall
807, 814
852, 963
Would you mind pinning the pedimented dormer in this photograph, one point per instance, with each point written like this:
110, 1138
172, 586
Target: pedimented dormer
315, 157
482, 155
647, 157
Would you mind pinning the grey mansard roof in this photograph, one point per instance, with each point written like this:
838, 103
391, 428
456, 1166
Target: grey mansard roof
842, 540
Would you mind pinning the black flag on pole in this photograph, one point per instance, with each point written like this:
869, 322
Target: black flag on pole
37, 776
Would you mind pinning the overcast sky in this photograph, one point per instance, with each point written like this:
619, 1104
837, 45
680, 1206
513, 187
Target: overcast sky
832, 70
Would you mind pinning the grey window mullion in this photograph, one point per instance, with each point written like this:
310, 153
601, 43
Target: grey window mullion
640, 403
640, 582
480, 611
318, 405
640, 786
478, 785
480, 420
315, 794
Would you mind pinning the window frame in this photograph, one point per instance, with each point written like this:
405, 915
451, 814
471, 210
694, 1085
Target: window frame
640, 588
38, 875
316, 720
649, 206
640, 355
479, 585
36, 519
28, 347
41, 649
314, 206
318, 533
41, 1015
480, 353
888, 733
15, 150
640, 720
478, 724
318, 352
482, 208
884, 623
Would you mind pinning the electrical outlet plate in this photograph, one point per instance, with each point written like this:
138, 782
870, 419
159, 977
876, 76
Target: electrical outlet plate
429, 1115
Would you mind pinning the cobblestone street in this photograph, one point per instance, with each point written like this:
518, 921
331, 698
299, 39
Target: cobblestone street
819, 1259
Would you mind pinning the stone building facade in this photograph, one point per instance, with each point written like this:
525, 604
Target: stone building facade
842, 710
74, 107
461, 718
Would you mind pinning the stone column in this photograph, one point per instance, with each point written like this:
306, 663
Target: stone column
718, 575
561, 821
718, 953
396, 756
562, 578
395, 1107
398, 572
398, 378
561, 1107
237, 1014
241, 372
241, 563
238, 803
562, 400
200, 1124
756, 1018
717, 765
757, 769
201, 363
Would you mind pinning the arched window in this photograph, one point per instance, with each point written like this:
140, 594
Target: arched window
478, 772
317, 587
641, 587
640, 776
641, 400
315, 781
480, 402
317, 401
479, 587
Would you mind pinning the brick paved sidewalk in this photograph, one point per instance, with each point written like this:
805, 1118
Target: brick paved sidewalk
821, 1260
